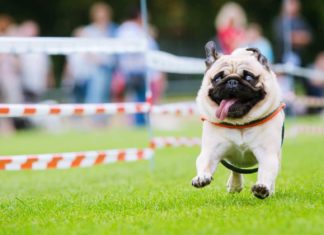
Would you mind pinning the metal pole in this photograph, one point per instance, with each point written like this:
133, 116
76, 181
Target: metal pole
148, 92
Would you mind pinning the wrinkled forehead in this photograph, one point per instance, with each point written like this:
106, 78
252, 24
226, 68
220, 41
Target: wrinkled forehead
236, 63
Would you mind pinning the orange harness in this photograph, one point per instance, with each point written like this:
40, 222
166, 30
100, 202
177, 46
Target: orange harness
249, 124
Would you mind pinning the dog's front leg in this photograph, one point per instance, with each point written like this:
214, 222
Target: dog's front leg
212, 150
206, 165
268, 170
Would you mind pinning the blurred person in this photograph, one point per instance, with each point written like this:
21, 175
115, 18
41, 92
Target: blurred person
5, 23
230, 25
118, 87
158, 80
78, 72
133, 66
315, 85
98, 89
292, 33
35, 68
255, 39
10, 86
318, 81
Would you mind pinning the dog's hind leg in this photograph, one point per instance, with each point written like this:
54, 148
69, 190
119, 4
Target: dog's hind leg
235, 182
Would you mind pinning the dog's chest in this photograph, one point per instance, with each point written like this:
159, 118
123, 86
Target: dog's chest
239, 152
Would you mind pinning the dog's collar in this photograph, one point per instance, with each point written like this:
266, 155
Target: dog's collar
249, 124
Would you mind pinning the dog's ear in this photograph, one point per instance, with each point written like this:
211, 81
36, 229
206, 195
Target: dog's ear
260, 57
211, 53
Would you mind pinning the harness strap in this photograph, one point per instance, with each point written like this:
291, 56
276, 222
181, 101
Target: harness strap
249, 124
237, 169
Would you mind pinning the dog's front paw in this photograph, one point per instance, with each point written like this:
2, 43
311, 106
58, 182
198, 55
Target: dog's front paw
201, 180
260, 191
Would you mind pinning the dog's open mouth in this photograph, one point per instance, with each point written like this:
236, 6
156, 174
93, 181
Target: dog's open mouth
223, 109
235, 102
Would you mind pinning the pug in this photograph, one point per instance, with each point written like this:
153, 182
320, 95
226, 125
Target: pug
240, 104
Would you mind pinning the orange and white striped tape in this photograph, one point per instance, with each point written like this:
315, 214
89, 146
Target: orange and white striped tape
28, 110
19, 110
184, 109
162, 142
72, 160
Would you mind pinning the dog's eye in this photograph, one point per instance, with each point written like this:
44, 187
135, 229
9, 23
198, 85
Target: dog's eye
218, 77
248, 78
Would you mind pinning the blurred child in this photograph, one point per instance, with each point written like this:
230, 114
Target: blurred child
78, 72
98, 89
35, 68
255, 39
133, 66
10, 86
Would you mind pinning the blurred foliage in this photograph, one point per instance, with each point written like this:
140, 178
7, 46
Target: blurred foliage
184, 25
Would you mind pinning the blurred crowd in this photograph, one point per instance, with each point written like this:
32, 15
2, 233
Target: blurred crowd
291, 35
89, 77
100, 78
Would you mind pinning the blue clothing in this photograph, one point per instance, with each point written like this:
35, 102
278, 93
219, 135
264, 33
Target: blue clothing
99, 84
265, 48
133, 65
281, 26
136, 83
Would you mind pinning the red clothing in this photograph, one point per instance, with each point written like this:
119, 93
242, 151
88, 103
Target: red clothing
230, 38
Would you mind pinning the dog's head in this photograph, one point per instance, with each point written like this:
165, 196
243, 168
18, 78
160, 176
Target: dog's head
236, 85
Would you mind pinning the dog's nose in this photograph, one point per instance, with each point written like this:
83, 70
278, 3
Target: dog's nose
232, 83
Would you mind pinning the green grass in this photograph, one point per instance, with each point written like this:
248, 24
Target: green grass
128, 198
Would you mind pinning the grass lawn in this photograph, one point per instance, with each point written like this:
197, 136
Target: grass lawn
128, 198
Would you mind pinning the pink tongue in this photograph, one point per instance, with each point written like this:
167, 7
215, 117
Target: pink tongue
223, 108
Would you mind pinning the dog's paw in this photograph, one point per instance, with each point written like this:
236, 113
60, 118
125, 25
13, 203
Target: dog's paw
260, 191
201, 181
235, 183
234, 188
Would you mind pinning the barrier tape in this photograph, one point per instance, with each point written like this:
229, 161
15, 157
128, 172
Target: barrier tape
28, 110
293, 70
25, 110
309, 101
162, 142
92, 158
166, 62
69, 45
184, 109
72, 160
305, 129
158, 60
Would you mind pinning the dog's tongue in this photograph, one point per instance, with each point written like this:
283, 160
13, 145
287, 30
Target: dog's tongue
223, 108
